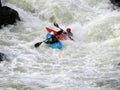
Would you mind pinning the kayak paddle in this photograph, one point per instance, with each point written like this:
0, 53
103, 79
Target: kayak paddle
55, 24
39, 43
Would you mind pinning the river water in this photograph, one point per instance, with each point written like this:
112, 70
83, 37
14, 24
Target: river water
88, 63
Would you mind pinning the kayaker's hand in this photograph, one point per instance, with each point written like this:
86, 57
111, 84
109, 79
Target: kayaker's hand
60, 32
47, 42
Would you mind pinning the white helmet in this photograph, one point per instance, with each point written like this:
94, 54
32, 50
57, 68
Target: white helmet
52, 33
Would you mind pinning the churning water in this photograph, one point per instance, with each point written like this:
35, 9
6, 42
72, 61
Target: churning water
88, 63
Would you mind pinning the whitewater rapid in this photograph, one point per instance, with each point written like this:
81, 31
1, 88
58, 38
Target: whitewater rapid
88, 63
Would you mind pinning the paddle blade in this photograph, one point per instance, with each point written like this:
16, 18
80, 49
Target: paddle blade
37, 44
55, 24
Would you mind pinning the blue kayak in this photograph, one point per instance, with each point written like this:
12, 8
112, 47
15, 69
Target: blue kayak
54, 45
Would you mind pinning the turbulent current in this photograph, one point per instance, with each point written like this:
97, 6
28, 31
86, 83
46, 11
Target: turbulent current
91, 62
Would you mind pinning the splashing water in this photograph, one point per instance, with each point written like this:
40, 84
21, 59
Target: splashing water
89, 63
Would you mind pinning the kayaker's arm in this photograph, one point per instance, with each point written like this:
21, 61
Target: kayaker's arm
60, 32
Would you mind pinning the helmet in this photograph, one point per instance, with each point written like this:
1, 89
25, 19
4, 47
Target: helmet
68, 29
52, 33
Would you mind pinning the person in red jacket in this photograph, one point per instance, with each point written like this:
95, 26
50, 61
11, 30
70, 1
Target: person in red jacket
67, 33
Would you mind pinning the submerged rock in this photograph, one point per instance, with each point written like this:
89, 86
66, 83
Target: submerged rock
8, 15
116, 2
2, 57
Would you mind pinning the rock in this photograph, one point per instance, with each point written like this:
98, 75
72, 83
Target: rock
2, 57
115, 2
8, 15
0, 4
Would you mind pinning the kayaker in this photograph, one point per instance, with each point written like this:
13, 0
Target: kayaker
53, 39
67, 33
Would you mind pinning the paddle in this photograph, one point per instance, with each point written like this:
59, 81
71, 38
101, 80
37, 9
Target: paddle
61, 30
39, 43
55, 24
